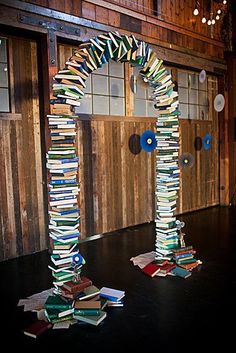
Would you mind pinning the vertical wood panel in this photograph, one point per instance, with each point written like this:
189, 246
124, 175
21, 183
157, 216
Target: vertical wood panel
22, 212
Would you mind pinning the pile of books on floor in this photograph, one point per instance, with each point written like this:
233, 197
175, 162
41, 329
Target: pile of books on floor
78, 303
63, 189
179, 263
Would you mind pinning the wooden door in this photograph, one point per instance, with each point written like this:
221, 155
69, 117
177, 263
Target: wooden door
22, 213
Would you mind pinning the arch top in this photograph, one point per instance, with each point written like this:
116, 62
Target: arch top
97, 51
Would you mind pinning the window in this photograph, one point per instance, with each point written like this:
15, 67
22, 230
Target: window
4, 82
143, 103
195, 98
105, 91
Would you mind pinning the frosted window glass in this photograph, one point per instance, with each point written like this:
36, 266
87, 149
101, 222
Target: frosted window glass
203, 85
116, 69
100, 84
141, 88
3, 50
149, 92
193, 96
3, 75
184, 110
203, 99
139, 107
116, 87
4, 100
193, 81
85, 106
193, 111
151, 111
88, 88
183, 95
102, 70
101, 105
182, 79
117, 106
203, 113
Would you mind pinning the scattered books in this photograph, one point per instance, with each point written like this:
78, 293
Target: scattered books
37, 328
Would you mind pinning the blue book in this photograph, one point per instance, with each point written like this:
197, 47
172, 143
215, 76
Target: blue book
181, 272
61, 182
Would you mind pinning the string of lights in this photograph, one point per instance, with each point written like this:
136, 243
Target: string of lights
207, 15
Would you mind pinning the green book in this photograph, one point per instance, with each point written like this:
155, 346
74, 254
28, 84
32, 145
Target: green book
57, 302
88, 312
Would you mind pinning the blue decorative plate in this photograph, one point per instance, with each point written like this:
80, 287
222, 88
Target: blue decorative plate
207, 142
148, 141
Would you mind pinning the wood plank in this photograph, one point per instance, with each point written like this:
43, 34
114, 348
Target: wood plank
3, 215
16, 191
10, 231
39, 211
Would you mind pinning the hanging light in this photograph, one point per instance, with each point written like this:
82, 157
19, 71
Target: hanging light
196, 9
213, 21
224, 2
219, 11
209, 22
217, 17
204, 19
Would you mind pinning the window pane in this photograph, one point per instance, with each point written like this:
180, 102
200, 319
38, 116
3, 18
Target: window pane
139, 107
202, 99
183, 95
203, 85
117, 106
193, 96
141, 87
193, 111
100, 84
183, 110
116, 87
3, 50
4, 100
116, 69
193, 81
3, 75
88, 88
86, 105
101, 105
102, 70
151, 111
203, 113
182, 79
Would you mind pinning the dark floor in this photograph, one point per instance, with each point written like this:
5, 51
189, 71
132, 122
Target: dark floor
168, 314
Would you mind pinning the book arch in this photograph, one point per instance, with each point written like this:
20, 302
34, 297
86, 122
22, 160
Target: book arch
63, 161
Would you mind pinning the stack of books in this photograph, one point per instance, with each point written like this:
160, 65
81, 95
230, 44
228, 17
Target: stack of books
167, 169
63, 190
184, 257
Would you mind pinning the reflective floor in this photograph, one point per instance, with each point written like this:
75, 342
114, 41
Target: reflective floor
168, 314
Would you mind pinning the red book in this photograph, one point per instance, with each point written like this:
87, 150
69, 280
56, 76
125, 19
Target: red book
151, 269
37, 328
75, 287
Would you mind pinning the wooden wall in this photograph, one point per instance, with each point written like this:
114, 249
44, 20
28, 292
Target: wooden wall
22, 211
231, 58
175, 23
117, 186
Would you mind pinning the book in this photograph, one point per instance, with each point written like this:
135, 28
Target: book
93, 320
37, 328
111, 294
88, 292
87, 304
181, 272
74, 287
151, 269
